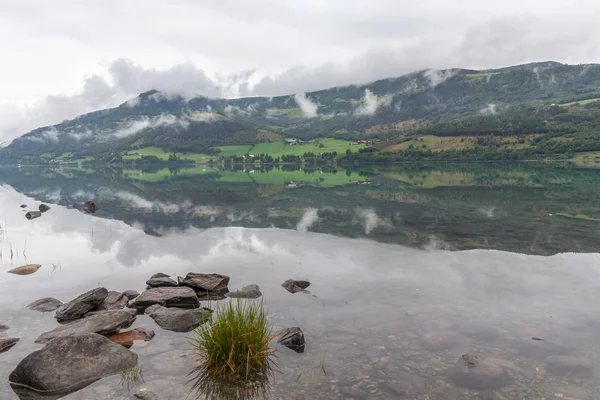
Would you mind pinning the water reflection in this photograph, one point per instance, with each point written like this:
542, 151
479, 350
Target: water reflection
524, 208
209, 384
378, 306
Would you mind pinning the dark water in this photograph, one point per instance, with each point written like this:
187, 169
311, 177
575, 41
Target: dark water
489, 256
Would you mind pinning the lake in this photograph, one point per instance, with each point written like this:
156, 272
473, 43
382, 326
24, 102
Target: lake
411, 268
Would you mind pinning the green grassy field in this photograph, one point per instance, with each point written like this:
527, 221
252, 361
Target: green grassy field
581, 102
267, 148
160, 153
482, 75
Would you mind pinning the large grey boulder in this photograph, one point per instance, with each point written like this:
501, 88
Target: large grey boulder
247, 292
4, 327
207, 283
183, 297
79, 306
46, 304
113, 301
160, 280
102, 322
68, 364
178, 320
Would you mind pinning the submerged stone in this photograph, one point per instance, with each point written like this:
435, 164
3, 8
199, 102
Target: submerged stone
570, 365
539, 348
129, 338
438, 340
46, 304
247, 292
472, 373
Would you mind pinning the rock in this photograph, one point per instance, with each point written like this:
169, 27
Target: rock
540, 349
470, 372
131, 294
178, 320
438, 340
183, 297
113, 301
292, 338
405, 385
479, 330
570, 365
90, 207
160, 280
293, 286
4, 327
146, 395
23, 205
79, 306
129, 338
247, 292
68, 364
179, 280
25, 269
43, 208
103, 323
32, 214
47, 304
571, 392
207, 283
6, 343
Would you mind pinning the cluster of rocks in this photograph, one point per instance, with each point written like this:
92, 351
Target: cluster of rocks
90, 343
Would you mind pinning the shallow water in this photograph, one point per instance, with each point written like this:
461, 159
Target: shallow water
374, 299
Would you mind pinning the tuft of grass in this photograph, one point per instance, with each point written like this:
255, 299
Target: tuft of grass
132, 376
236, 341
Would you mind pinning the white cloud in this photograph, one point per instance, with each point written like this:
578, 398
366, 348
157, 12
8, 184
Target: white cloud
306, 105
490, 109
86, 134
437, 77
145, 123
369, 105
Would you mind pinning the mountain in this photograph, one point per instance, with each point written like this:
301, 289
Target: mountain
538, 101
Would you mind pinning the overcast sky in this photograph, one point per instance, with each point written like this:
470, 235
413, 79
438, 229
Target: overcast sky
61, 58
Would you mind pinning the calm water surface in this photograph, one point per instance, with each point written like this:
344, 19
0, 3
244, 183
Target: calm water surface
490, 256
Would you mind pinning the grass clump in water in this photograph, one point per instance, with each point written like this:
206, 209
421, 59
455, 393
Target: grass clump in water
236, 341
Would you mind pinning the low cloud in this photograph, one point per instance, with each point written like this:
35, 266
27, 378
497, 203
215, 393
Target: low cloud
81, 135
145, 123
50, 135
437, 77
490, 109
306, 105
140, 202
308, 219
371, 102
